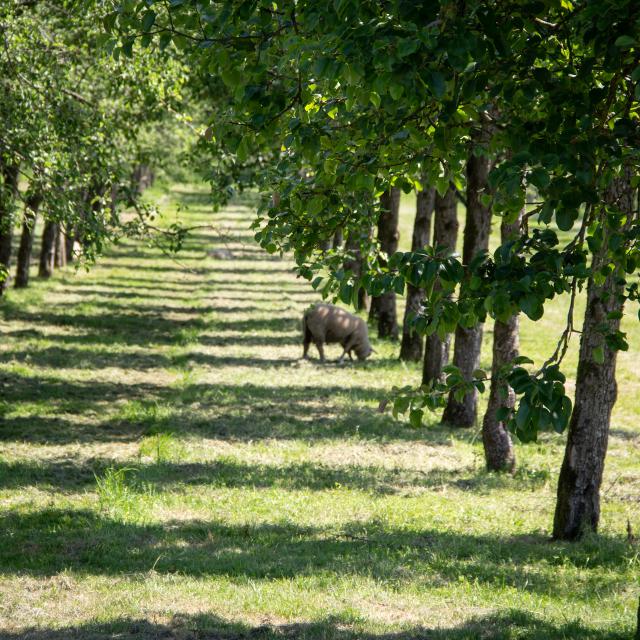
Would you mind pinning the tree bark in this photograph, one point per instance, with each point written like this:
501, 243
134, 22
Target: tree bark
69, 241
578, 500
445, 232
143, 177
355, 264
498, 447
411, 346
383, 307
466, 355
26, 240
7, 199
60, 256
47, 250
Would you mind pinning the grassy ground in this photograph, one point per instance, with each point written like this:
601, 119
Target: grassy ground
170, 468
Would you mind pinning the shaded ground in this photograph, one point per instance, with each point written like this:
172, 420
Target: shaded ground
170, 468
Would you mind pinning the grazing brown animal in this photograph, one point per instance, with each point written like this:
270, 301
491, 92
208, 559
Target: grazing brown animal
326, 324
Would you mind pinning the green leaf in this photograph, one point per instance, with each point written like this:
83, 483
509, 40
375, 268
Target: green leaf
316, 205
231, 76
598, 355
625, 42
415, 418
148, 20
565, 219
522, 414
437, 83
531, 306
330, 165
396, 91
401, 404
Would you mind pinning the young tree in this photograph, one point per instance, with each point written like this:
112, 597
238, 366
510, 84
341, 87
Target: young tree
412, 341
445, 234
8, 191
47, 249
383, 307
468, 340
31, 206
72, 117
499, 454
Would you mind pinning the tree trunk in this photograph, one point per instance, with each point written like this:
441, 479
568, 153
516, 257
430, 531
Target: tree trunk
445, 232
60, 256
7, 198
69, 241
26, 240
466, 355
383, 307
355, 264
143, 177
47, 250
411, 346
498, 447
578, 500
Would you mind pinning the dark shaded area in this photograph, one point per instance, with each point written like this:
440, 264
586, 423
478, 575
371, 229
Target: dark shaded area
51, 540
71, 475
235, 412
506, 625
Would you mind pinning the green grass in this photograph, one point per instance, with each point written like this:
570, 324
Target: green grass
169, 467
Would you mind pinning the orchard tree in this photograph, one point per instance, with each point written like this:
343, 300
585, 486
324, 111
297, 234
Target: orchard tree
72, 122
358, 96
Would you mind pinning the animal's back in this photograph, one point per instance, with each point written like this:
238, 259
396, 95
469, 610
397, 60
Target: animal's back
329, 322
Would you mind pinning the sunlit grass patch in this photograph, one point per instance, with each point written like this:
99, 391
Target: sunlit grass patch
161, 447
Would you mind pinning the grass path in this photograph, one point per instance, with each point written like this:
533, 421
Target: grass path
170, 468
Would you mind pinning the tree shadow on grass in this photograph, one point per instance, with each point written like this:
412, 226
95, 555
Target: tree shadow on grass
46, 542
128, 328
504, 625
70, 475
236, 412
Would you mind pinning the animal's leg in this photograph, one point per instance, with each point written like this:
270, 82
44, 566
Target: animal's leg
348, 346
320, 350
306, 339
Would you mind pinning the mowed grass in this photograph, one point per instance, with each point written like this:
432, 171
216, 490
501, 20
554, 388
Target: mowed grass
170, 468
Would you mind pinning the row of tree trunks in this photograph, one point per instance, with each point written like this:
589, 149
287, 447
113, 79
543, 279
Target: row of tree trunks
468, 342
26, 239
383, 308
7, 202
498, 447
445, 232
411, 346
578, 501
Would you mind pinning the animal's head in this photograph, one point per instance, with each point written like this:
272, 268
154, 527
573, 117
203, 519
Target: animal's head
363, 351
